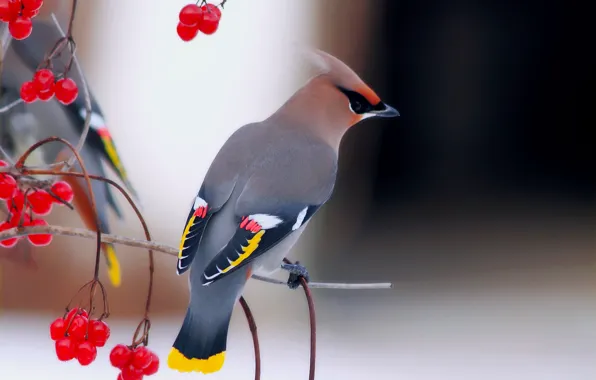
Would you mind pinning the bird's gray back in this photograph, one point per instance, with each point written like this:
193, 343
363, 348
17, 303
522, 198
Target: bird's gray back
263, 168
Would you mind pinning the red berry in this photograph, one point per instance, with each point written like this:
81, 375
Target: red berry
65, 349
17, 203
86, 353
191, 15
43, 79
9, 10
28, 92
26, 12
75, 311
63, 191
210, 22
32, 5
15, 219
78, 328
153, 367
48, 94
40, 202
57, 329
66, 91
20, 28
141, 358
131, 373
186, 33
3, 163
120, 356
39, 240
99, 332
8, 185
10, 242
212, 8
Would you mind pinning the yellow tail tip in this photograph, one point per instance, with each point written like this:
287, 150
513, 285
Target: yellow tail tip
113, 265
177, 361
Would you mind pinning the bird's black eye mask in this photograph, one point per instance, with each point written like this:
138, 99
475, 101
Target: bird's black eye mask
358, 103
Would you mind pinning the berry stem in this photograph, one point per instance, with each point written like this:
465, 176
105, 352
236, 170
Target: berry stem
85, 88
73, 11
85, 174
134, 207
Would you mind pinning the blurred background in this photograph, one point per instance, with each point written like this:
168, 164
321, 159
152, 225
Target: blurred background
478, 203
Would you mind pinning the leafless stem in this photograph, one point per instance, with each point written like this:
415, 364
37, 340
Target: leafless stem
84, 174
9, 106
6, 156
252, 325
171, 251
86, 94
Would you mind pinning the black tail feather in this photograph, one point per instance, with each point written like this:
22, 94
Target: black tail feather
200, 345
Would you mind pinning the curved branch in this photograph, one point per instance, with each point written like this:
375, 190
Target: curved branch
252, 325
313, 324
134, 207
171, 251
84, 175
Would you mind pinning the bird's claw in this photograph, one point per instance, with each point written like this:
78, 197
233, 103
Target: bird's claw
297, 272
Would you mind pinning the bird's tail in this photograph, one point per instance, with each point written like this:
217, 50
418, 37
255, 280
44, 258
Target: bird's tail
200, 345
113, 264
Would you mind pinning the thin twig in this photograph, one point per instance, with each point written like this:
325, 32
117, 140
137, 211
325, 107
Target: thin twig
162, 248
313, 324
6, 156
331, 285
84, 174
73, 11
137, 212
252, 325
86, 94
11, 105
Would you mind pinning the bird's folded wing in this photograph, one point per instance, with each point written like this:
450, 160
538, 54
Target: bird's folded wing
255, 235
194, 227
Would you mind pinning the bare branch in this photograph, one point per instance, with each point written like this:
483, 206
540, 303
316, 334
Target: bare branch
157, 247
6, 156
9, 106
86, 95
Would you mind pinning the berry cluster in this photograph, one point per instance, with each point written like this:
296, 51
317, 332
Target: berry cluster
193, 19
22, 205
18, 15
44, 86
134, 363
77, 336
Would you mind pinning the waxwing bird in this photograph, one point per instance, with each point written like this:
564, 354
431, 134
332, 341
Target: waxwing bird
260, 192
22, 60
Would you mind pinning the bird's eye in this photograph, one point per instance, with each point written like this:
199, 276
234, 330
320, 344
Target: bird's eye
355, 106
358, 103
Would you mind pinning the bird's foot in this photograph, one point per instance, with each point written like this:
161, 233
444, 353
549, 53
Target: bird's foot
297, 272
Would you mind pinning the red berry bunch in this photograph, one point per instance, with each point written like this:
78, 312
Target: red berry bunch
77, 336
18, 15
23, 205
44, 86
193, 19
134, 363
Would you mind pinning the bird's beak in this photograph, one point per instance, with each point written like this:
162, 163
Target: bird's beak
384, 110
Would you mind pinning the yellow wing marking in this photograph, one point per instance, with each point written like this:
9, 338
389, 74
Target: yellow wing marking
111, 150
189, 225
248, 250
113, 265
